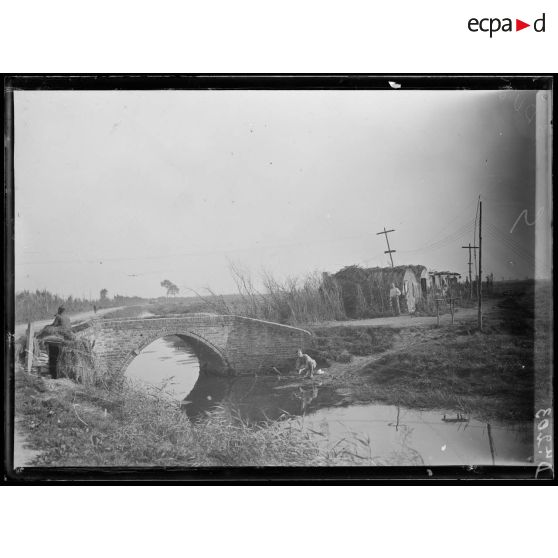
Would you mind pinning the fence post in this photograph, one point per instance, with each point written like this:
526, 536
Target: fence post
30, 347
452, 308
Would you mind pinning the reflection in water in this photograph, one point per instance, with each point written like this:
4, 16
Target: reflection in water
257, 399
458, 418
386, 434
306, 397
168, 362
399, 436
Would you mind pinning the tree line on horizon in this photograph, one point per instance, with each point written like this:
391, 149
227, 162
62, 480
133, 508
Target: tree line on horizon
42, 304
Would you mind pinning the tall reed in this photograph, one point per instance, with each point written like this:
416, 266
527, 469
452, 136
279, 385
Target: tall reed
293, 301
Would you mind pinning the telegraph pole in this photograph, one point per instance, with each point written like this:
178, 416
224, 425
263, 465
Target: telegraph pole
490, 442
479, 282
389, 250
470, 264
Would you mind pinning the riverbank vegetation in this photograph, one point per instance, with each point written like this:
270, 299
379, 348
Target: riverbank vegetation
491, 374
77, 425
311, 299
292, 301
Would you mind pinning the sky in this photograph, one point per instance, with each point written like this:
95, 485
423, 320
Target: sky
123, 189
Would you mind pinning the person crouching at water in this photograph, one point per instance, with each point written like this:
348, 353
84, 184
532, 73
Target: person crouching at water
309, 364
394, 294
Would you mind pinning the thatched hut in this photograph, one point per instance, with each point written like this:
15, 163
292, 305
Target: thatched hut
365, 291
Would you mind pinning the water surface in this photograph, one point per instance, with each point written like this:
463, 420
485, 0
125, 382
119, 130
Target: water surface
169, 363
385, 434
399, 436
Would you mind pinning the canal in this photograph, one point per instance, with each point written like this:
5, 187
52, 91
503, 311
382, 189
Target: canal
385, 434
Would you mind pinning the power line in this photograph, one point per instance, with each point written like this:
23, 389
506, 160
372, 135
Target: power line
509, 241
527, 258
443, 242
463, 210
514, 251
448, 238
502, 238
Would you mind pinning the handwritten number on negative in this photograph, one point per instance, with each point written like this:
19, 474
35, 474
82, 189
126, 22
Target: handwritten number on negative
543, 413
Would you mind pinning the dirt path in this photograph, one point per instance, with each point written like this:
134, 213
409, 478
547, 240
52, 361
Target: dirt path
403, 341
462, 315
79, 317
23, 454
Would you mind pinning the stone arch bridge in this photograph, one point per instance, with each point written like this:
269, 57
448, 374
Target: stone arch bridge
239, 345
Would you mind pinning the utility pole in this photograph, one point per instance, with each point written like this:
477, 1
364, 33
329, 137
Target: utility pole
389, 250
470, 264
479, 282
490, 442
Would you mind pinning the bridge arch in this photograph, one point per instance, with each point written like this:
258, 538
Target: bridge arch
202, 347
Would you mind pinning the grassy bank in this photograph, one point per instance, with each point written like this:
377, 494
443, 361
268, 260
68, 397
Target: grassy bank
340, 344
74, 425
455, 368
490, 374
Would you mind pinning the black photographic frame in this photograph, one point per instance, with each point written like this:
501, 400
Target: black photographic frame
227, 475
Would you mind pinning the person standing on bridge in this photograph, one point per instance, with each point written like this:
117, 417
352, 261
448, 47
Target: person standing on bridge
308, 364
394, 294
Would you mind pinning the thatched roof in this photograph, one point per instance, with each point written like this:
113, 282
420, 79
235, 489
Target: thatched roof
384, 275
445, 273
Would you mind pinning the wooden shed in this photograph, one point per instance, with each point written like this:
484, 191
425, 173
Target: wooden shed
443, 280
